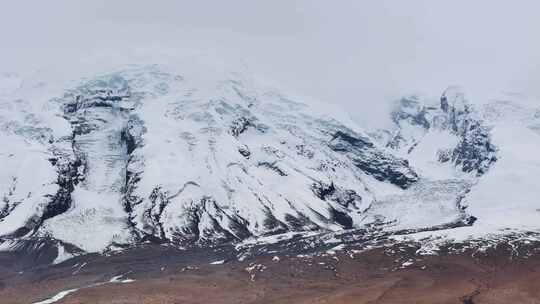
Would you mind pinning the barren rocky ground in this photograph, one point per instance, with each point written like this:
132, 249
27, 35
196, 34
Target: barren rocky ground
164, 274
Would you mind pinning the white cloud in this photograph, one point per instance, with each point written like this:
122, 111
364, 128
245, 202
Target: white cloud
355, 53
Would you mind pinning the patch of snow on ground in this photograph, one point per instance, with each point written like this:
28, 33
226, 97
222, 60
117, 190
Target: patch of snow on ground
59, 296
62, 255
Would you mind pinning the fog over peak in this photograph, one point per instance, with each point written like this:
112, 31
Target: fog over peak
360, 55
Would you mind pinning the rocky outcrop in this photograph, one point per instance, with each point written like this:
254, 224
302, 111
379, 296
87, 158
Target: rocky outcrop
69, 175
413, 119
372, 161
457, 109
475, 151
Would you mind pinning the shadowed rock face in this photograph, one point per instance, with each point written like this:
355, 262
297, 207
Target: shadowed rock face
454, 104
474, 151
382, 166
68, 178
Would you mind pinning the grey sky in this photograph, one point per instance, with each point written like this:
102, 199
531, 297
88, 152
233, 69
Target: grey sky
358, 54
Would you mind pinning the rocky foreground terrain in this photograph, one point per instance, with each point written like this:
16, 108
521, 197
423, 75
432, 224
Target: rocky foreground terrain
393, 274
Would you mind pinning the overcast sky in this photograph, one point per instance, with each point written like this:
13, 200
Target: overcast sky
358, 54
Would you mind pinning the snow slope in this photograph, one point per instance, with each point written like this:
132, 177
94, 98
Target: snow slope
503, 196
184, 154
198, 155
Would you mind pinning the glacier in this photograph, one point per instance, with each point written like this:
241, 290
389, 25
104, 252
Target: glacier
192, 155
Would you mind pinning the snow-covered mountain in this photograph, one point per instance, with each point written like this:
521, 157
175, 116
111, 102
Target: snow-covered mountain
194, 156
490, 148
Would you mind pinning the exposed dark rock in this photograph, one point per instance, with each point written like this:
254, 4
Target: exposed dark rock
341, 218
300, 222
475, 152
95, 99
329, 192
132, 178
384, 170
10, 204
207, 207
240, 125
375, 162
244, 150
159, 200
272, 224
6, 210
322, 190
272, 166
341, 142
444, 155
456, 107
68, 177
469, 221
129, 140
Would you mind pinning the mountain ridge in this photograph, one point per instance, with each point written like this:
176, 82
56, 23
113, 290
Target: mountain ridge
148, 153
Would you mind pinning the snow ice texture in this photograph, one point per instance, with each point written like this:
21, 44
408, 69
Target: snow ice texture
198, 156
